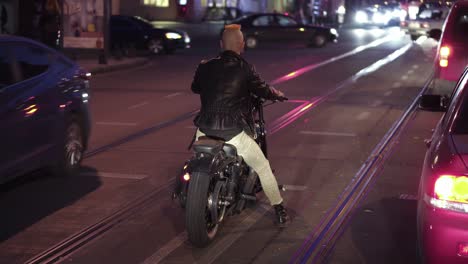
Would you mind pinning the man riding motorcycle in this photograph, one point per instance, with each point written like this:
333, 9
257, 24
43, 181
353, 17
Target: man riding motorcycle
226, 85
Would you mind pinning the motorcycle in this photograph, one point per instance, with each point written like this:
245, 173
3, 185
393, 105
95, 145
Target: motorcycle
216, 182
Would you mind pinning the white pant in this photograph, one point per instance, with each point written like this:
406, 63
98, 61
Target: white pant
253, 156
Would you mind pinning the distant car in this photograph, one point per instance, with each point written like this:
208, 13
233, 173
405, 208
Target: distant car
452, 52
261, 29
139, 33
442, 218
427, 20
380, 16
44, 113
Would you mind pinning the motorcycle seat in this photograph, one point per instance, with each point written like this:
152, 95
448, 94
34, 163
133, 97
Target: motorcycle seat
208, 145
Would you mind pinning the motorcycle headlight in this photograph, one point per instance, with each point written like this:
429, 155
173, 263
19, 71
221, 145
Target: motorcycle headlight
334, 31
173, 35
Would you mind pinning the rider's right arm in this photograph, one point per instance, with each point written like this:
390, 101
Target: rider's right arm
259, 87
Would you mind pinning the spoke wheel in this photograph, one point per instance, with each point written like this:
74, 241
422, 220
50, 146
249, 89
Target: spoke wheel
251, 42
156, 46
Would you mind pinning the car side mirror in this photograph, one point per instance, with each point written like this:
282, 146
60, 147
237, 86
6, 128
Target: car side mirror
433, 102
435, 34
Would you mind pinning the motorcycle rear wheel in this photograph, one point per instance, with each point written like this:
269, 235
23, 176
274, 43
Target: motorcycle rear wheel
198, 221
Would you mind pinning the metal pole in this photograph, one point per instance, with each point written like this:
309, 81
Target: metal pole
104, 53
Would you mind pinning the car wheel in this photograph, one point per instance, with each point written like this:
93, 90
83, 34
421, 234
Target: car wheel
319, 40
72, 150
251, 42
414, 37
156, 46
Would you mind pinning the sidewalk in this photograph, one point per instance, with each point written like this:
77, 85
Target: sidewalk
113, 64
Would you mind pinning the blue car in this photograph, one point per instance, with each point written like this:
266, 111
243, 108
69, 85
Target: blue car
44, 116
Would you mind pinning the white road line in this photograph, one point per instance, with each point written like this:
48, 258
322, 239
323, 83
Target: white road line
191, 127
115, 124
376, 103
396, 85
294, 187
388, 93
410, 72
172, 95
404, 77
167, 249
363, 115
221, 244
415, 66
137, 105
408, 197
114, 175
323, 133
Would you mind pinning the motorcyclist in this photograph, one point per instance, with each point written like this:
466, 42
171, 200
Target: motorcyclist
226, 85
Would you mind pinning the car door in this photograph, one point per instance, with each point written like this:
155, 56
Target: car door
291, 31
263, 28
31, 106
124, 31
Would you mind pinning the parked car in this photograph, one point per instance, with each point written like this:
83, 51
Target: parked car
43, 109
452, 52
427, 19
136, 32
443, 191
259, 29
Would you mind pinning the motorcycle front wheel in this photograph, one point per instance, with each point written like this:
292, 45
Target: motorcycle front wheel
199, 220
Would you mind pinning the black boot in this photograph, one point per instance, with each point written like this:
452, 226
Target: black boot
281, 215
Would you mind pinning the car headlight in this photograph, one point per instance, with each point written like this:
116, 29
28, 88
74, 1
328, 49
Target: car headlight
173, 35
334, 31
186, 38
361, 17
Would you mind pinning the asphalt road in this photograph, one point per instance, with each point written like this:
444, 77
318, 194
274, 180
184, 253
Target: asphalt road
344, 98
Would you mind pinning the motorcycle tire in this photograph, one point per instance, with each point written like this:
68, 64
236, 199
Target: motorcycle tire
199, 229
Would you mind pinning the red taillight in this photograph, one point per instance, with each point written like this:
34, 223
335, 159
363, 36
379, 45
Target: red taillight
452, 188
403, 23
444, 54
425, 25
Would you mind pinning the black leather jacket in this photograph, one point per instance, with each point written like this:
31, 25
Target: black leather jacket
226, 85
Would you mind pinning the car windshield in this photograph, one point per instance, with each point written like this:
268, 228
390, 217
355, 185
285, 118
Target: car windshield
460, 28
142, 22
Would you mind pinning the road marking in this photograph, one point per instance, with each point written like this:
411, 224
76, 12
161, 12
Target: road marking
221, 244
396, 85
388, 93
172, 95
114, 175
115, 124
410, 71
376, 103
404, 77
167, 249
415, 66
303, 70
137, 105
320, 133
363, 115
408, 197
191, 127
294, 187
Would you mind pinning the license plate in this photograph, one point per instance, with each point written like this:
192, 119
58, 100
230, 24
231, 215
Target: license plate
414, 25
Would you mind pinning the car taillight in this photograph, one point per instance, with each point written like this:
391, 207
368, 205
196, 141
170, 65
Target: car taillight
425, 25
451, 192
403, 23
443, 56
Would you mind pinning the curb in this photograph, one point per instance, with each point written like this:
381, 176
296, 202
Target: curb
124, 66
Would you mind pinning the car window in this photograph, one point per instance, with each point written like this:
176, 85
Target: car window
7, 77
460, 125
263, 21
29, 60
121, 23
460, 27
286, 21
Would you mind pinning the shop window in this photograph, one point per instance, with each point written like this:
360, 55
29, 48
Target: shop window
157, 3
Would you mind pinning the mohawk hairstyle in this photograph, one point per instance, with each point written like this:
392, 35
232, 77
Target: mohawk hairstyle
232, 27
